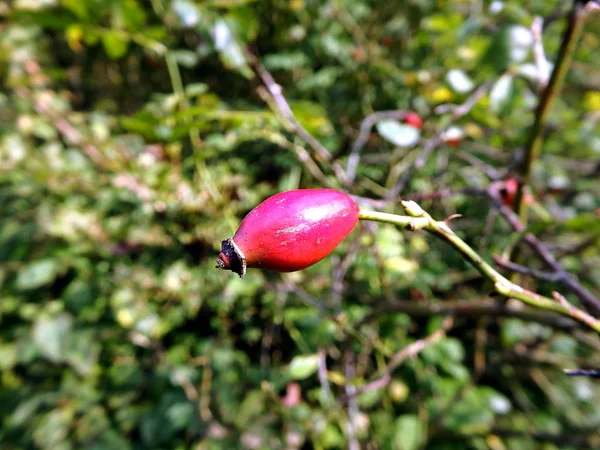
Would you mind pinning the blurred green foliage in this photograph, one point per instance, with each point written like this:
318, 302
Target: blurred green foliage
135, 135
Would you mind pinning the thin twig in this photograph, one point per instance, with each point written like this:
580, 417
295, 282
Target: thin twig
594, 373
534, 146
483, 307
363, 136
514, 267
322, 373
463, 109
418, 219
349, 373
294, 126
428, 147
292, 123
589, 300
398, 358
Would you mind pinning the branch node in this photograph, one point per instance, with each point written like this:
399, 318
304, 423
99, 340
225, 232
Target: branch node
413, 209
503, 288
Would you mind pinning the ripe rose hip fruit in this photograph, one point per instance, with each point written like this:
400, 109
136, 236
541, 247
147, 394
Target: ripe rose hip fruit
453, 136
413, 119
508, 191
290, 231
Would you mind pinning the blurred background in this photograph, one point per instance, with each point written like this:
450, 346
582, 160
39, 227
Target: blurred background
135, 135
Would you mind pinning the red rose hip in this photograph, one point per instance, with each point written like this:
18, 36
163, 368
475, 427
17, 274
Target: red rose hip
290, 231
413, 119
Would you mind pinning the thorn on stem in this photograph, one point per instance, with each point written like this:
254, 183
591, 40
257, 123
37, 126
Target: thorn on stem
561, 298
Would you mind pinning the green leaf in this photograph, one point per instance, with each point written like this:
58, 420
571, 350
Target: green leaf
185, 58
37, 274
410, 432
115, 44
82, 351
583, 222
51, 336
77, 7
8, 356
313, 117
303, 366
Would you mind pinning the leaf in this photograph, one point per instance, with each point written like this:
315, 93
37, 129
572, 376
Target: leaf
303, 366
8, 356
82, 352
115, 44
188, 13
286, 61
37, 274
588, 222
51, 334
409, 433
185, 58
128, 14
399, 134
459, 81
519, 41
77, 7
313, 117
501, 93
245, 23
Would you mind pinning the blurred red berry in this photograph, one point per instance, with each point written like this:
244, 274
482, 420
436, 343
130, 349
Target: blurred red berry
413, 119
453, 136
293, 395
386, 41
290, 231
508, 191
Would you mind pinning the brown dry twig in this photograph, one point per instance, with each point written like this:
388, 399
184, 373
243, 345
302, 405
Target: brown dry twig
292, 124
398, 358
363, 136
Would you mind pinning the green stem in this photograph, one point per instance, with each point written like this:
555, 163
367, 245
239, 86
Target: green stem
194, 133
418, 219
549, 96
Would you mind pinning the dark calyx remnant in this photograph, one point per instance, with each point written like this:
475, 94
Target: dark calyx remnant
231, 258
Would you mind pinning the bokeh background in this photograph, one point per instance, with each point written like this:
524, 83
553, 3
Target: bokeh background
134, 135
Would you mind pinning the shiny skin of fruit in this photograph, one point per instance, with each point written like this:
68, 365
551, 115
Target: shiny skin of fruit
413, 119
290, 231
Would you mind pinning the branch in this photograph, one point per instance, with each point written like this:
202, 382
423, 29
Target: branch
363, 136
291, 123
514, 267
549, 96
463, 109
486, 307
398, 358
418, 219
588, 299
593, 373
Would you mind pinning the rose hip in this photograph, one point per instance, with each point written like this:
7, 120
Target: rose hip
290, 231
413, 119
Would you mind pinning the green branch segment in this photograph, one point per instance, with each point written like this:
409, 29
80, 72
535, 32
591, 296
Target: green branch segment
418, 219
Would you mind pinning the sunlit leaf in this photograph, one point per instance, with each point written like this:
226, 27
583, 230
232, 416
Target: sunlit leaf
397, 133
303, 366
